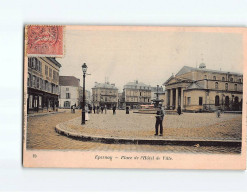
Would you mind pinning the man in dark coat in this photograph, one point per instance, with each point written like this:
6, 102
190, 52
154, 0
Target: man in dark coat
179, 110
94, 109
127, 110
114, 109
159, 121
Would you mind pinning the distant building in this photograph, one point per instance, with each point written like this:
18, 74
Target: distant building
42, 83
120, 100
68, 91
88, 97
105, 94
136, 94
201, 89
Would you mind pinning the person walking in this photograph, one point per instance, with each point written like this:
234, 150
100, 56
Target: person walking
159, 121
127, 110
105, 109
86, 113
74, 108
90, 109
114, 109
97, 109
179, 110
94, 109
218, 113
102, 108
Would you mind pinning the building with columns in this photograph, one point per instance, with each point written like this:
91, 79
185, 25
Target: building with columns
201, 89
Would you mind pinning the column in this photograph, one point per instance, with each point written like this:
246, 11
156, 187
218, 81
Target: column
171, 94
182, 98
176, 100
166, 99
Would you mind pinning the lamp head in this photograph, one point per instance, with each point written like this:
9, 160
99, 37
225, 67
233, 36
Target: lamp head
84, 68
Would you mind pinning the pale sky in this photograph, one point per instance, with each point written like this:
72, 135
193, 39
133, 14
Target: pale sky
150, 57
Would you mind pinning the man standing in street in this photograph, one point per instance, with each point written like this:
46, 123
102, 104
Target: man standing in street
114, 109
159, 121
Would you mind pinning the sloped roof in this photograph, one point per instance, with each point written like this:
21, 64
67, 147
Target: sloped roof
105, 85
187, 69
69, 81
53, 60
137, 84
170, 78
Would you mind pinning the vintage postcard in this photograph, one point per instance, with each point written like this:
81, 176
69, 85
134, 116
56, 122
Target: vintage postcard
135, 97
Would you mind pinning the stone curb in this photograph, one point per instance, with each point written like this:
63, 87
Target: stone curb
44, 114
111, 140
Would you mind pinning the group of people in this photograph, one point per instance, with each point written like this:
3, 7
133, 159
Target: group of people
102, 109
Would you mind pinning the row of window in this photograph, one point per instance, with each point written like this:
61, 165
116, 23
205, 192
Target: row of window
216, 102
38, 83
226, 86
223, 79
35, 64
105, 92
136, 87
135, 93
51, 73
106, 99
132, 99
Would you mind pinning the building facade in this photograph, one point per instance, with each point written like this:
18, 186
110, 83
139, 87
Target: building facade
136, 94
88, 97
68, 91
120, 101
201, 89
105, 94
42, 83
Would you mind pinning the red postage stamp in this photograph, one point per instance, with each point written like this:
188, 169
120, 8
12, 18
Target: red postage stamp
45, 40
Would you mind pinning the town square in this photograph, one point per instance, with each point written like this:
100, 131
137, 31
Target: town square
107, 100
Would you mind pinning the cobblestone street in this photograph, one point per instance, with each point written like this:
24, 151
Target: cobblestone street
41, 134
187, 125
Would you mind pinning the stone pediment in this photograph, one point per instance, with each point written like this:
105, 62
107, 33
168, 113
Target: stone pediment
173, 80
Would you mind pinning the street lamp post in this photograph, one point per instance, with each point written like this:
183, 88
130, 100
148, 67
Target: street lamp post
84, 70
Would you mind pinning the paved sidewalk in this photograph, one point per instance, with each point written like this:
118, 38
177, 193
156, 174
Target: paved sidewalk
46, 113
189, 128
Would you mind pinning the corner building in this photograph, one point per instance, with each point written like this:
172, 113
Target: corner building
105, 94
42, 83
201, 89
136, 94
